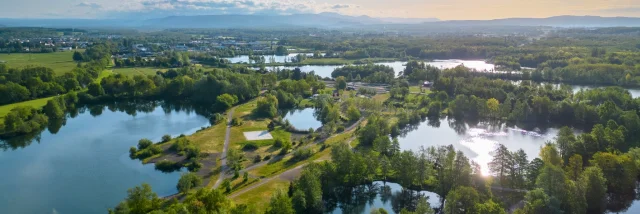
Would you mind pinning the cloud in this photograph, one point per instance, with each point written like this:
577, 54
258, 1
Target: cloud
341, 6
89, 5
211, 7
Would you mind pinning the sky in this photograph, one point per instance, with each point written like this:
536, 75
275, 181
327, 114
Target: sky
442, 9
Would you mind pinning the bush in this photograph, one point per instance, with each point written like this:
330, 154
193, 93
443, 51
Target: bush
187, 182
148, 152
144, 143
192, 152
340, 129
266, 158
155, 149
167, 166
216, 118
166, 138
132, 152
237, 122
257, 159
281, 143
249, 146
301, 154
193, 165
180, 145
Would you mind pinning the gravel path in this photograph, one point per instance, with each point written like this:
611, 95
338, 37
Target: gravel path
223, 157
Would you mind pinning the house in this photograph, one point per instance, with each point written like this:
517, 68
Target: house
65, 49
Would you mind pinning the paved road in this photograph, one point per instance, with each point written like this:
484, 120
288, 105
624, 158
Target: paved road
223, 157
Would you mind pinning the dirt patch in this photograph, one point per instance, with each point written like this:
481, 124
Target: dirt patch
209, 167
292, 174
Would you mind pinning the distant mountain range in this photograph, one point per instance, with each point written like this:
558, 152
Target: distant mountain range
321, 20
557, 21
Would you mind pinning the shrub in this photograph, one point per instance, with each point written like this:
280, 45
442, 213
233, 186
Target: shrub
216, 118
188, 181
144, 143
250, 146
282, 143
180, 145
166, 138
340, 129
237, 122
193, 165
257, 159
301, 154
155, 149
132, 152
268, 157
192, 151
167, 166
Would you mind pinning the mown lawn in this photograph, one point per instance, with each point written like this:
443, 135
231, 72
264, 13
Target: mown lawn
260, 196
60, 62
39, 103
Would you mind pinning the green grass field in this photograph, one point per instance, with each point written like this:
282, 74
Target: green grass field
138, 71
39, 103
60, 62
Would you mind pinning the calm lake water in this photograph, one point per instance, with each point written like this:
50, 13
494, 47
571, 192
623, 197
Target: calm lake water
476, 141
398, 66
85, 167
303, 119
277, 59
378, 195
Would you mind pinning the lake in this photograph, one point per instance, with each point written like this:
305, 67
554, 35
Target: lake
276, 58
85, 167
303, 119
576, 88
389, 196
398, 66
476, 141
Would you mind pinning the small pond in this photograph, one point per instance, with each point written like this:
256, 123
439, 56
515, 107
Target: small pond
389, 196
320, 70
303, 119
475, 141
85, 167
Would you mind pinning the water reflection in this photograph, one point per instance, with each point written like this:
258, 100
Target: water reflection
302, 119
476, 139
324, 71
390, 196
130, 108
268, 58
82, 164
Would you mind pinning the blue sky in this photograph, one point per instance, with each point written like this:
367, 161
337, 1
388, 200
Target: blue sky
443, 9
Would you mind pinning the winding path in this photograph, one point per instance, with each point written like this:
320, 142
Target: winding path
264, 181
293, 170
223, 157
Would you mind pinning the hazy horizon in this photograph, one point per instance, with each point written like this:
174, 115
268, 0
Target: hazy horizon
440, 9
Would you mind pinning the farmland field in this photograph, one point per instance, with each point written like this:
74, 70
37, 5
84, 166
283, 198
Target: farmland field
60, 62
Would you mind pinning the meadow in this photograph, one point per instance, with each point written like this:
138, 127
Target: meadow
60, 62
